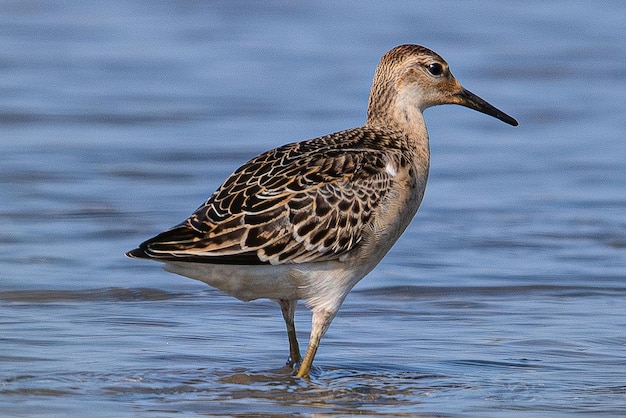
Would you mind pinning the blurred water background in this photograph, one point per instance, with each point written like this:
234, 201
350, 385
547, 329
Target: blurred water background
506, 295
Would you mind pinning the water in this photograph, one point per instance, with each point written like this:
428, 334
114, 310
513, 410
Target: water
506, 295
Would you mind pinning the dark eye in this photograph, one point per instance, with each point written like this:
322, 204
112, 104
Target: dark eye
435, 69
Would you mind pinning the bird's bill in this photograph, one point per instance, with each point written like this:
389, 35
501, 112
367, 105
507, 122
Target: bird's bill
468, 99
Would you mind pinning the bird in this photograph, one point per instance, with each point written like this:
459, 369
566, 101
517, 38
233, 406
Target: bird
308, 220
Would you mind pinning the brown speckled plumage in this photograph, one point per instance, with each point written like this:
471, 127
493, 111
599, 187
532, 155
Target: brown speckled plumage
302, 202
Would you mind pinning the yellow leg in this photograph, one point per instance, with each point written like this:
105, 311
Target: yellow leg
320, 323
289, 308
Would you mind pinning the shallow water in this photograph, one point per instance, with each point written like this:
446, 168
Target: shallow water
507, 294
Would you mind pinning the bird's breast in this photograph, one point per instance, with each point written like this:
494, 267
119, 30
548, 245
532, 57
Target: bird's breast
396, 210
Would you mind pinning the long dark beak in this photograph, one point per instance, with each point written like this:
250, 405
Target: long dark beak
469, 99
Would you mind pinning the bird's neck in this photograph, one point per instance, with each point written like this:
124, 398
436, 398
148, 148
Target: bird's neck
403, 118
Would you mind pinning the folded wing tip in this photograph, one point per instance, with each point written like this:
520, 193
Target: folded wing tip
136, 253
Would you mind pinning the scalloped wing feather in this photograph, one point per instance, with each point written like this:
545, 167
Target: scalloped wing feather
307, 201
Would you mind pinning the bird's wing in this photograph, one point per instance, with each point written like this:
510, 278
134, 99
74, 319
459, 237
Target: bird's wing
307, 201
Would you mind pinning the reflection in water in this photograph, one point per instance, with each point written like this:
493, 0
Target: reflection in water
396, 350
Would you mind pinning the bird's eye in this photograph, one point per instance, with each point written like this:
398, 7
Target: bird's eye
435, 69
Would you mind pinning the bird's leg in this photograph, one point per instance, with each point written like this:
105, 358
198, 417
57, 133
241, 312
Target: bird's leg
320, 323
289, 308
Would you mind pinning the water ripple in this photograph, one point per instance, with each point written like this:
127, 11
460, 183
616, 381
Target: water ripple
94, 295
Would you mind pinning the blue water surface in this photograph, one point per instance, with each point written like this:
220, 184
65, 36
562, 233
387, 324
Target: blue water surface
506, 295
